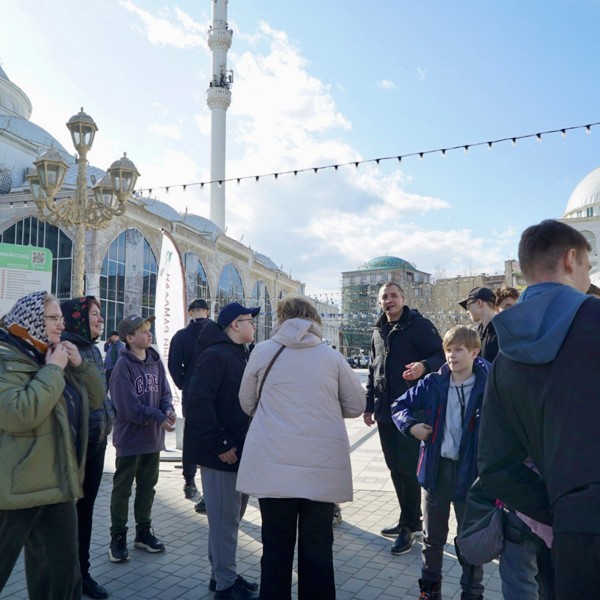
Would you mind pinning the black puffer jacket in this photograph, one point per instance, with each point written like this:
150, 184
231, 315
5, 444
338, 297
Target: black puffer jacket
412, 339
215, 422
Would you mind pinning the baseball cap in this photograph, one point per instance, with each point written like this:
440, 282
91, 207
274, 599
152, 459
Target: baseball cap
130, 323
230, 312
479, 293
198, 303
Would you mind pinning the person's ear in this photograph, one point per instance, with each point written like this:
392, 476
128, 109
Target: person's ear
569, 260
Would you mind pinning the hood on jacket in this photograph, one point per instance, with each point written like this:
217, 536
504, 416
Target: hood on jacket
212, 334
408, 314
152, 355
533, 330
297, 333
77, 317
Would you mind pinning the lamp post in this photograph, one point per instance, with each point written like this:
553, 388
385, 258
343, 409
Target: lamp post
82, 211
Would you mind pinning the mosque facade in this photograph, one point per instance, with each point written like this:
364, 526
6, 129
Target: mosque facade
583, 213
121, 261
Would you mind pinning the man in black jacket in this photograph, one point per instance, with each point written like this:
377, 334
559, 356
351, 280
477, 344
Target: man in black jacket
542, 402
215, 430
183, 352
405, 346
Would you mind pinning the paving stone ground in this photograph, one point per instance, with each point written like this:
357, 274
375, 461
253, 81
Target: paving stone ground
364, 567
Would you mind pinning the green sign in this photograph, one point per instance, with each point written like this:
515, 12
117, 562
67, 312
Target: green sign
23, 269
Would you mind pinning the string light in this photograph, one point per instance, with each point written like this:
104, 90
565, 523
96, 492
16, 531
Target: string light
420, 154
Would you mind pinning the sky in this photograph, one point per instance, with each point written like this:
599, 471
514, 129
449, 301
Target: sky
322, 83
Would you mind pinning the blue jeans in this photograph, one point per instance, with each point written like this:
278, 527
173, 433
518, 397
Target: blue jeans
519, 564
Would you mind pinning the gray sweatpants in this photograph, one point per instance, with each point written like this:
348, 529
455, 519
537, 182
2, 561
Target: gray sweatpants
224, 509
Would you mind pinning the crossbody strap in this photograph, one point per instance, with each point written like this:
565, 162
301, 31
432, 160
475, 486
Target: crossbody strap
262, 383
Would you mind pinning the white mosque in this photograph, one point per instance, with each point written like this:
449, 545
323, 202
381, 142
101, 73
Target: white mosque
121, 260
583, 213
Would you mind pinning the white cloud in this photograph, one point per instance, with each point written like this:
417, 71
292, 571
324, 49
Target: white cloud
421, 73
386, 84
164, 30
172, 130
203, 123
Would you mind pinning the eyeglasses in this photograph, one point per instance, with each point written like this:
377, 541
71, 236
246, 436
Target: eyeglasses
55, 319
241, 320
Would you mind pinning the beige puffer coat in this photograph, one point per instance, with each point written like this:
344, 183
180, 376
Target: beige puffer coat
297, 445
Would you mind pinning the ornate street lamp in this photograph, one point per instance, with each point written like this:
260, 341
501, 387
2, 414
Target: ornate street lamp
80, 211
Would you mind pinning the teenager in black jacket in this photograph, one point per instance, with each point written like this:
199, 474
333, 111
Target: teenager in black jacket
542, 401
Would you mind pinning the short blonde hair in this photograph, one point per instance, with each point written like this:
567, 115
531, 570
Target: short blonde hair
462, 335
296, 306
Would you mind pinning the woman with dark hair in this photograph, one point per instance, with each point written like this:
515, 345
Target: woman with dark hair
296, 457
83, 326
46, 390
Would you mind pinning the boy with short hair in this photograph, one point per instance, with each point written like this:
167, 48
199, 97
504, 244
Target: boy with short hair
142, 398
451, 400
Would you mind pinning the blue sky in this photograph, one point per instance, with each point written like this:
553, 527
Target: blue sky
319, 83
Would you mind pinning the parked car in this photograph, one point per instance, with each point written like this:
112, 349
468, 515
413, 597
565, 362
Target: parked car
363, 361
352, 362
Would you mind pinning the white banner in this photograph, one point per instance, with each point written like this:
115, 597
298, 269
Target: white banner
170, 308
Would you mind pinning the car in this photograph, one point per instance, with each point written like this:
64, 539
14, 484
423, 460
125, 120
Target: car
352, 362
363, 361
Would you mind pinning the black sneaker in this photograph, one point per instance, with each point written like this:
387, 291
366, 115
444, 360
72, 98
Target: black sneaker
200, 506
393, 531
91, 589
238, 591
190, 490
404, 542
250, 585
146, 539
117, 551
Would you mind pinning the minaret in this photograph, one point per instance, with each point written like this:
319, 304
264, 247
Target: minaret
218, 98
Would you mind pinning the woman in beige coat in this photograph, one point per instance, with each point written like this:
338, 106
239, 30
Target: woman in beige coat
296, 457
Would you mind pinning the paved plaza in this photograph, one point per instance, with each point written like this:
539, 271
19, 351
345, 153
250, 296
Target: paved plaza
364, 567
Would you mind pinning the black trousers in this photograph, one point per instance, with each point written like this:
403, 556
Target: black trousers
576, 559
435, 529
281, 518
94, 467
49, 535
401, 456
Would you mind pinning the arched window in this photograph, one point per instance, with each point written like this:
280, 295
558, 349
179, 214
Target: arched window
30, 231
230, 287
196, 282
124, 287
264, 321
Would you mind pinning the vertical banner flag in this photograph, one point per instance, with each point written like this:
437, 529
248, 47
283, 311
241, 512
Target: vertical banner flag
170, 309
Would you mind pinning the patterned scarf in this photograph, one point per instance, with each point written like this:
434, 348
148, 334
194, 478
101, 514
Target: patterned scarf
25, 320
77, 315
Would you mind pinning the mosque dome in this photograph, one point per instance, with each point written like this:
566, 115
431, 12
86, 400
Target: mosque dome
386, 262
585, 198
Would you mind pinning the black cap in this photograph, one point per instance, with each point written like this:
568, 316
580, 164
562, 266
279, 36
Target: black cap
230, 312
197, 304
479, 293
130, 323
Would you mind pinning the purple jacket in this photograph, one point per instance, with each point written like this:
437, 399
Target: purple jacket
141, 396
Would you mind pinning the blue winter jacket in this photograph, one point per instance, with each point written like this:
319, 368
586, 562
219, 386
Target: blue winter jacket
431, 395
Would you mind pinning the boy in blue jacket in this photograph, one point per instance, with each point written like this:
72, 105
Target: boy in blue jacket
451, 400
